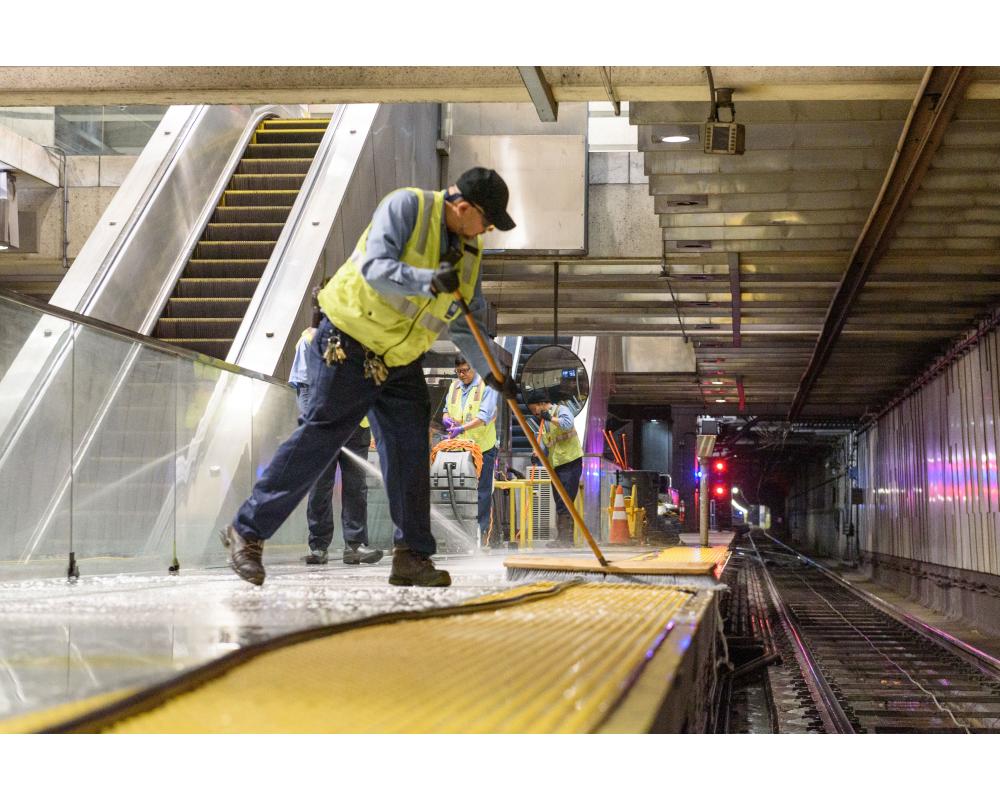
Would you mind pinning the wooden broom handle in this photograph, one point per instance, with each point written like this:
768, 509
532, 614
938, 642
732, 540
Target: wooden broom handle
539, 453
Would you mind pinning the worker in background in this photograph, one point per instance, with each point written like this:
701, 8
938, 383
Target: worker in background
557, 434
471, 413
353, 487
383, 310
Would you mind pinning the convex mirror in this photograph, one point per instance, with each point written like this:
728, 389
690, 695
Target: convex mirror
555, 374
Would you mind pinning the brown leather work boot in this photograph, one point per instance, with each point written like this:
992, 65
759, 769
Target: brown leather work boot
410, 568
244, 555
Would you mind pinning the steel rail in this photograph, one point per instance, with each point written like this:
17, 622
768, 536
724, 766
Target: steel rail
984, 662
823, 695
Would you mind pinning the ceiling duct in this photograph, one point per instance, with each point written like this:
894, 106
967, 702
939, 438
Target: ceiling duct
8, 211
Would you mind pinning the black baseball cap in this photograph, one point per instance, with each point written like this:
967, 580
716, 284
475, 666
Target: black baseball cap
487, 189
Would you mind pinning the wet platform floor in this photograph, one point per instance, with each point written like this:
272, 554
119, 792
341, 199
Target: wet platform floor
61, 642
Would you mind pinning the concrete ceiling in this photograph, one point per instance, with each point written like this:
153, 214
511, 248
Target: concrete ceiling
783, 222
758, 274
42, 86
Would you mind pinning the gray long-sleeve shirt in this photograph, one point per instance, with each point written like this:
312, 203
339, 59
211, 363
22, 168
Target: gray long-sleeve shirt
391, 227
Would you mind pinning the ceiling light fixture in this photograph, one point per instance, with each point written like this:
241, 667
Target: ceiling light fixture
675, 139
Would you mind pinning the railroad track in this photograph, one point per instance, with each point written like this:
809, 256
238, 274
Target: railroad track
869, 668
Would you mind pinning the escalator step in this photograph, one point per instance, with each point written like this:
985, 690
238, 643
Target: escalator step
225, 268
289, 150
270, 198
289, 136
216, 287
206, 307
209, 301
197, 328
242, 232
239, 250
236, 214
274, 166
278, 124
216, 348
257, 182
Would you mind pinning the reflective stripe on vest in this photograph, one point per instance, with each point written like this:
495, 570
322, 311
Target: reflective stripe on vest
563, 444
398, 328
484, 435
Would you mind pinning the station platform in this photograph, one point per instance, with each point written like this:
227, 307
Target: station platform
715, 539
336, 649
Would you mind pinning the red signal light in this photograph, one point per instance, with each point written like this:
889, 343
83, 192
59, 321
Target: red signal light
719, 465
720, 490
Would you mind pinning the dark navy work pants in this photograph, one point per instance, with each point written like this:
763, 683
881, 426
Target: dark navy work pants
353, 490
485, 496
569, 474
340, 396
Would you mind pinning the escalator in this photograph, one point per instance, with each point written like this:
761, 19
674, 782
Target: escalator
214, 291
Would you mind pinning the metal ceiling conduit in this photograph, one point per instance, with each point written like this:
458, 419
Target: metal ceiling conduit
933, 107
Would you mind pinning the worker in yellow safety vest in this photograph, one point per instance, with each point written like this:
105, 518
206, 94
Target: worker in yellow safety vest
557, 435
471, 413
382, 310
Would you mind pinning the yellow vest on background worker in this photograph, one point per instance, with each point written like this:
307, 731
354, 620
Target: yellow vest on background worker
485, 435
401, 329
563, 444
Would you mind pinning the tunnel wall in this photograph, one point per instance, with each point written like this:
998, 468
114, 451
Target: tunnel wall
930, 523
816, 507
928, 469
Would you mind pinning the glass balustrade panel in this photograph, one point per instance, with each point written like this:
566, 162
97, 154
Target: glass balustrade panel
35, 441
124, 431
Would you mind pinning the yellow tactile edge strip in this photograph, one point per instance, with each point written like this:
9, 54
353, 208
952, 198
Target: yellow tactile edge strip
94, 714
57, 715
536, 658
555, 665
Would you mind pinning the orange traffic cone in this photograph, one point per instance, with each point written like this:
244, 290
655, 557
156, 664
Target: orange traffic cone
619, 521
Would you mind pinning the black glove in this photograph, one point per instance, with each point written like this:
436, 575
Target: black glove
445, 280
546, 416
507, 389
452, 256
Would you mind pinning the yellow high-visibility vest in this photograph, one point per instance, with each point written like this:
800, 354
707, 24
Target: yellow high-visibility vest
563, 444
485, 435
397, 328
